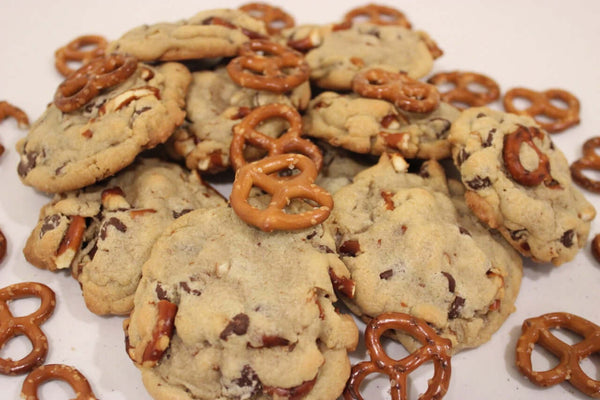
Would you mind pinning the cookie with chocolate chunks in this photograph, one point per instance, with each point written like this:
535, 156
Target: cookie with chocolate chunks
105, 232
412, 246
66, 151
519, 183
221, 303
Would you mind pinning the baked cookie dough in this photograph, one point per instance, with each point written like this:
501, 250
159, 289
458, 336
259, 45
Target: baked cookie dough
340, 166
374, 126
214, 105
104, 233
239, 306
208, 34
67, 151
344, 52
541, 214
412, 246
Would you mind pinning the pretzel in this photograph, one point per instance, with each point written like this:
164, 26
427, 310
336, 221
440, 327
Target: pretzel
2, 246
396, 87
591, 161
8, 110
378, 15
512, 161
299, 186
28, 325
161, 334
537, 331
541, 105
274, 18
435, 349
73, 51
265, 65
70, 375
596, 247
85, 83
291, 141
461, 94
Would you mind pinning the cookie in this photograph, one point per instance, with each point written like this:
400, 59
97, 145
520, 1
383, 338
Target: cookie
208, 34
519, 183
67, 151
214, 105
340, 166
344, 52
374, 126
104, 233
212, 316
411, 246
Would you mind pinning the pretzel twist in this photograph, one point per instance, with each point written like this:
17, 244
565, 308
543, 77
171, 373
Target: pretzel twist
461, 93
2, 246
72, 376
73, 51
85, 83
378, 15
541, 105
291, 141
537, 331
435, 349
398, 88
300, 186
512, 161
28, 325
589, 161
274, 18
266, 65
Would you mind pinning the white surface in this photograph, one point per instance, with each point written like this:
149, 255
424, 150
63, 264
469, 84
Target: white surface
519, 43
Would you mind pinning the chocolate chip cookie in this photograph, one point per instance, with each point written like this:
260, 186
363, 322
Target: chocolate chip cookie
104, 232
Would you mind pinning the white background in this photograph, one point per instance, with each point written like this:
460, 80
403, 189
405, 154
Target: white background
536, 44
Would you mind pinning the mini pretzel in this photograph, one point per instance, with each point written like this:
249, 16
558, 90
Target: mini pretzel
537, 331
291, 141
378, 15
28, 325
85, 83
299, 186
461, 94
541, 105
591, 161
396, 87
73, 51
2, 246
435, 348
72, 376
274, 18
265, 65
8, 110
596, 247
512, 160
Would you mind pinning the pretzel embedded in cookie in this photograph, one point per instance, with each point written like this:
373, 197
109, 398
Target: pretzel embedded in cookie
291, 141
434, 348
512, 158
541, 105
283, 190
589, 161
378, 15
274, 18
74, 51
45, 373
537, 331
100, 73
461, 93
265, 65
27, 325
396, 87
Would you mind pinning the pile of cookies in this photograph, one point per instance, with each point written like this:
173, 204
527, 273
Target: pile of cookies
356, 182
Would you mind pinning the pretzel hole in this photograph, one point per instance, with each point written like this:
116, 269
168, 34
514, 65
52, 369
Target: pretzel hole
24, 306
591, 366
16, 348
521, 103
476, 87
559, 103
56, 389
528, 157
542, 359
445, 87
569, 337
544, 119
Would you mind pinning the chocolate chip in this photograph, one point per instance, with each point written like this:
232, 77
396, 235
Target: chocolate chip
387, 274
238, 326
249, 378
349, 248
567, 238
490, 138
142, 110
311, 235
464, 231
480, 115
120, 226
325, 249
50, 222
456, 307
27, 164
451, 281
479, 183
177, 214
186, 288
161, 293
444, 127
462, 157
